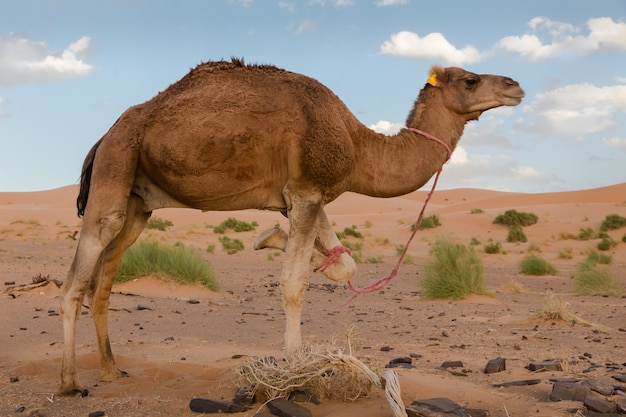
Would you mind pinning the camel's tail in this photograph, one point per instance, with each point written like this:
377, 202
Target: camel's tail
85, 180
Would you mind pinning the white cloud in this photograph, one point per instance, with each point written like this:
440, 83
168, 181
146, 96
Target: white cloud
386, 127
306, 26
573, 111
244, 3
617, 143
432, 47
23, 61
290, 6
385, 3
337, 3
602, 34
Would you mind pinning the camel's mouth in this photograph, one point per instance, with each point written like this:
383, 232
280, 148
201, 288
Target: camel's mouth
513, 100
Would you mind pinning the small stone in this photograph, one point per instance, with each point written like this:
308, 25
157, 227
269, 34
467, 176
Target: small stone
97, 414
475, 412
452, 364
208, 406
567, 391
495, 365
620, 378
9, 282
385, 349
443, 407
519, 383
14, 379
193, 302
244, 396
143, 307
20, 409
544, 366
594, 403
599, 387
285, 408
401, 360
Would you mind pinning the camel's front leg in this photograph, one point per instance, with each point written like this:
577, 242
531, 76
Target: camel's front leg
303, 225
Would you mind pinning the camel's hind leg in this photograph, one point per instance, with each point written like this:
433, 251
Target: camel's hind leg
104, 275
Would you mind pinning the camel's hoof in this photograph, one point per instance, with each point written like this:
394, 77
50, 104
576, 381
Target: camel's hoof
113, 375
274, 238
72, 392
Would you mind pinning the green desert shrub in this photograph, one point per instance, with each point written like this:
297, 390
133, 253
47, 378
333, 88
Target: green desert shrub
516, 218
607, 243
586, 234
535, 265
230, 245
476, 211
599, 258
591, 279
428, 222
516, 234
177, 262
612, 222
158, 223
349, 231
235, 225
453, 271
493, 247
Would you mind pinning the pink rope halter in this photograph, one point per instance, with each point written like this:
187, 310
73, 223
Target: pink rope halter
382, 282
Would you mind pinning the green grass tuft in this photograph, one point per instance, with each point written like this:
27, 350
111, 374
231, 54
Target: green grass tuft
612, 222
535, 265
516, 234
454, 271
177, 262
236, 225
591, 279
230, 245
428, 222
493, 247
160, 224
516, 218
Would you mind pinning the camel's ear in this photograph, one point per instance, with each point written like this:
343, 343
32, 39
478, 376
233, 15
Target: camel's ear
437, 75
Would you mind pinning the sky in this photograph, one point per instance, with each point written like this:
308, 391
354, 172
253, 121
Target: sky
70, 68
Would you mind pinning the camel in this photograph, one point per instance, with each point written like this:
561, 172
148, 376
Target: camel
232, 136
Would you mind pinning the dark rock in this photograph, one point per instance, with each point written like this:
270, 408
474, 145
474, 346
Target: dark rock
9, 282
262, 414
193, 302
545, 366
567, 391
620, 378
599, 387
475, 412
594, 414
13, 379
386, 349
415, 355
518, 383
436, 407
495, 365
401, 360
244, 396
97, 414
207, 406
285, 408
300, 396
595, 403
19, 409
452, 364
143, 307
566, 379
400, 365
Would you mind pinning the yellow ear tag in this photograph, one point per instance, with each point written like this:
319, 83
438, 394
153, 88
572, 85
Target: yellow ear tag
432, 80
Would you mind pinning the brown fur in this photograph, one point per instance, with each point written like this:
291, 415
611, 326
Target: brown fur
231, 136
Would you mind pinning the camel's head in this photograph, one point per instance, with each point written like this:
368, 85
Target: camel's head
469, 94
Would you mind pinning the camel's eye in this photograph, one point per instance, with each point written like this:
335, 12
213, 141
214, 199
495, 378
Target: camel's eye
471, 82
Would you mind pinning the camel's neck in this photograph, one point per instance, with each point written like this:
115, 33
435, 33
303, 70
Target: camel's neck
389, 166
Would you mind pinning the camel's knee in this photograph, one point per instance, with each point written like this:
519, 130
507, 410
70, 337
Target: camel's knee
274, 238
110, 226
340, 269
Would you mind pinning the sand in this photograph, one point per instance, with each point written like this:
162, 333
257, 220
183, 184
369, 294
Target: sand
176, 350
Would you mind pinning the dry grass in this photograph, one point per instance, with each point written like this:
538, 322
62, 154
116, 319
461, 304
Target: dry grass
324, 370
